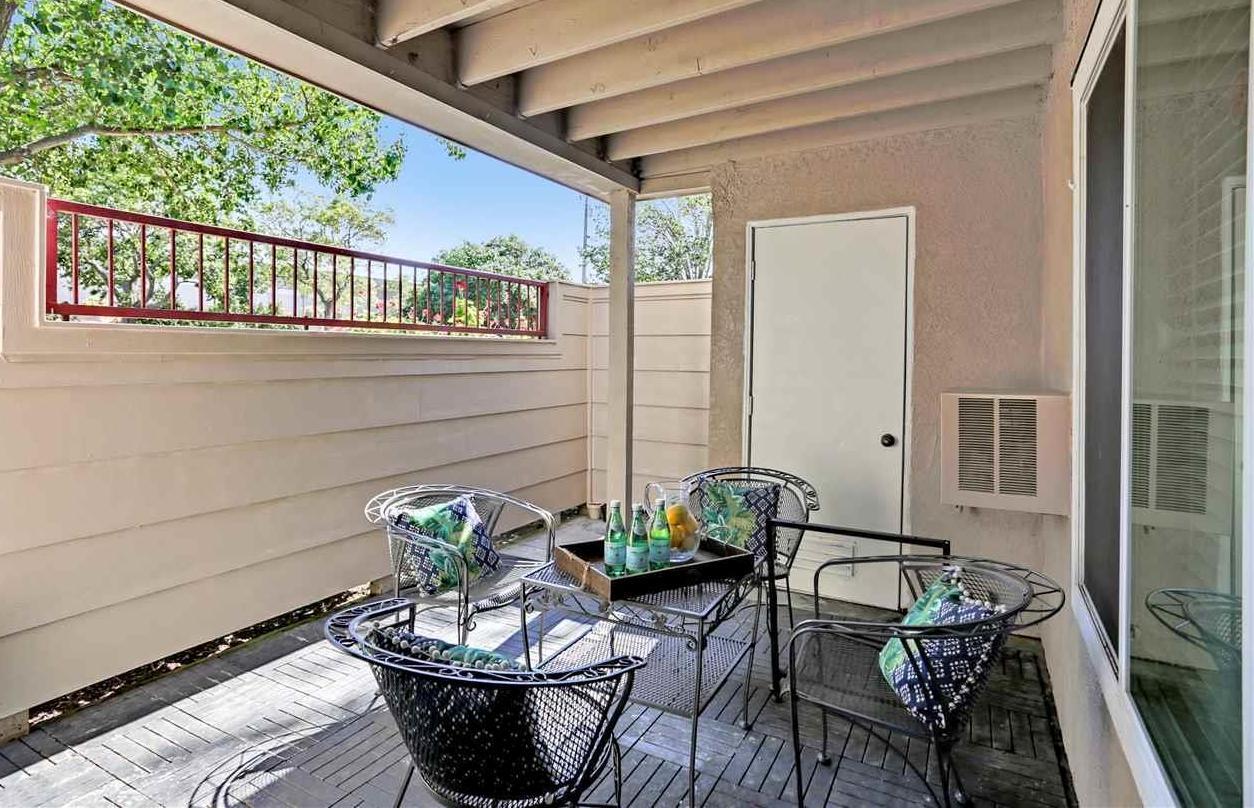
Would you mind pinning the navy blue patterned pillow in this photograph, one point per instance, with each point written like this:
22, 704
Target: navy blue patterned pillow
937, 678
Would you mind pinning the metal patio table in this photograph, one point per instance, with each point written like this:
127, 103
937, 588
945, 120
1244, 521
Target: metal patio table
667, 628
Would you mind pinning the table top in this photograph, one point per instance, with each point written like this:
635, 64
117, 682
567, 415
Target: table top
698, 601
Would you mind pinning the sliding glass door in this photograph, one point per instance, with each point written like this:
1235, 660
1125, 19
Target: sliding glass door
1162, 141
1189, 83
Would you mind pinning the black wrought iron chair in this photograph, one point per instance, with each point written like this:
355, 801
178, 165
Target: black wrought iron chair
406, 547
491, 738
834, 662
797, 500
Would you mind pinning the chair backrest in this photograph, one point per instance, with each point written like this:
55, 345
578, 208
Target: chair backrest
797, 500
461, 725
489, 504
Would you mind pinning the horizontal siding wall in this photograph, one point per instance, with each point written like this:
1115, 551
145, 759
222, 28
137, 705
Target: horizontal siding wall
152, 502
672, 382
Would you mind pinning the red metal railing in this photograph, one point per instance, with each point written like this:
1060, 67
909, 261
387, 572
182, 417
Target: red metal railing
115, 264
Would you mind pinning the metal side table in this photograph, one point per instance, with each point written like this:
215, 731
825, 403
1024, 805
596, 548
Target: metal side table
673, 630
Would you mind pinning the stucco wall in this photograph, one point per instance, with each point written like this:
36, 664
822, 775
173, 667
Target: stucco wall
976, 190
992, 310
672, 375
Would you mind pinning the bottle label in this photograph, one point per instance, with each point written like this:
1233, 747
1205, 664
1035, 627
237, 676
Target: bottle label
659, 553
637, 558
615, 555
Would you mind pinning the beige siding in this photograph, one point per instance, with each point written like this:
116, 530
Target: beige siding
672, 382
161, 488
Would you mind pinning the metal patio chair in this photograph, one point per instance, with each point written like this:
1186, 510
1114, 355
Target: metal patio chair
797, 500
406, 547
491, 738
834, 662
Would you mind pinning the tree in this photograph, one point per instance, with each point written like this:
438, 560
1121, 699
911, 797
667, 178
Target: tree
112, 108
484, 302
338, 221
508, 255
674, 240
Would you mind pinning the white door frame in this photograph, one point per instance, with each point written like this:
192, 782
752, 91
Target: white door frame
746, 407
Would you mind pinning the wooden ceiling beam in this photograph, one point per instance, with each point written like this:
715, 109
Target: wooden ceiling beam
549, 30
399, 20
1000, 105
744, 36
997, 30
1000, 72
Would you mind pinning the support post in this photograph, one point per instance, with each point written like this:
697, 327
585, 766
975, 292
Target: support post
622, 344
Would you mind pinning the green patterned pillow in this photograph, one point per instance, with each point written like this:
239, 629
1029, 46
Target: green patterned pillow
457, 523
923, 612
737, 514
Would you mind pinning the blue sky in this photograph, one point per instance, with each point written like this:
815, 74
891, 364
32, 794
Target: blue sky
439, 202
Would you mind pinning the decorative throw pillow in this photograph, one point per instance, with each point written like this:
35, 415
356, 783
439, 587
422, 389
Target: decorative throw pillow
736, 514
945, 672
457, 523
399, 641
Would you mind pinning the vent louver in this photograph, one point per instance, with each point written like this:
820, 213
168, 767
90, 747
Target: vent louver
1016, 445
975, 444
1006, 451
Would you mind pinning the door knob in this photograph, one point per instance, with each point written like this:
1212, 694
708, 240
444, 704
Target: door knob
887, 440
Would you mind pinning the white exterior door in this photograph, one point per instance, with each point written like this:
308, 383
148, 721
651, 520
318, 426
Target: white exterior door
827, 380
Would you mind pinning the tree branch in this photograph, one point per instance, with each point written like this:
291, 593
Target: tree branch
17, 155
7, 10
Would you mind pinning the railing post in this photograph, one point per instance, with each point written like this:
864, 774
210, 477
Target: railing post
50, 260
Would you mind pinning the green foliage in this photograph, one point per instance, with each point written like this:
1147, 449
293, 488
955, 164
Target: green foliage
674, 240
338, 221
508, 255
109, 107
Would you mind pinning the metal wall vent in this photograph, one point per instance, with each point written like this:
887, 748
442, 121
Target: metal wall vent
1142, 443
1006, 451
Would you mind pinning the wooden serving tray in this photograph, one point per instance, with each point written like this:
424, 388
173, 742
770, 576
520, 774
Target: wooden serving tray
585, 562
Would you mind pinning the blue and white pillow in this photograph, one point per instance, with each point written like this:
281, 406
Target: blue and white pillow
938, 677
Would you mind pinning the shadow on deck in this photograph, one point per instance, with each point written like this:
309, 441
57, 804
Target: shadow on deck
288, 721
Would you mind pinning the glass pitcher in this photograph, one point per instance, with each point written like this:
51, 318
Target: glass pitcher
685, 531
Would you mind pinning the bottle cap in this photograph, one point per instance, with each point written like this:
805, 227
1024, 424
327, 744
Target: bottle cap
636, 506
615, 503
659, 503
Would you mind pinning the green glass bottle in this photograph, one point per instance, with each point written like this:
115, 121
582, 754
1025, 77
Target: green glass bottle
659, 537
638, 542
615, 541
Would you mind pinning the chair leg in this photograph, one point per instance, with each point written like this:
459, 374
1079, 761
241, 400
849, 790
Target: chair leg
618, 772
404, 786
951, 780
824, 757
796, 746
792, 620
745, 723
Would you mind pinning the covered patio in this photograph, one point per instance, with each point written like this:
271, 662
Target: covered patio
288, 721
927, 256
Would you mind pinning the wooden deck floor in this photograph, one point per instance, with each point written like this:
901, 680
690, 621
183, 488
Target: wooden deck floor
289, 722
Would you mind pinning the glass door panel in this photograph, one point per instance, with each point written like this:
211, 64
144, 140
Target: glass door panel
1190, 88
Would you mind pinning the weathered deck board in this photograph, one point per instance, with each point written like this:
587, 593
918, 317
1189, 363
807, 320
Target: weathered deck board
289, 722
